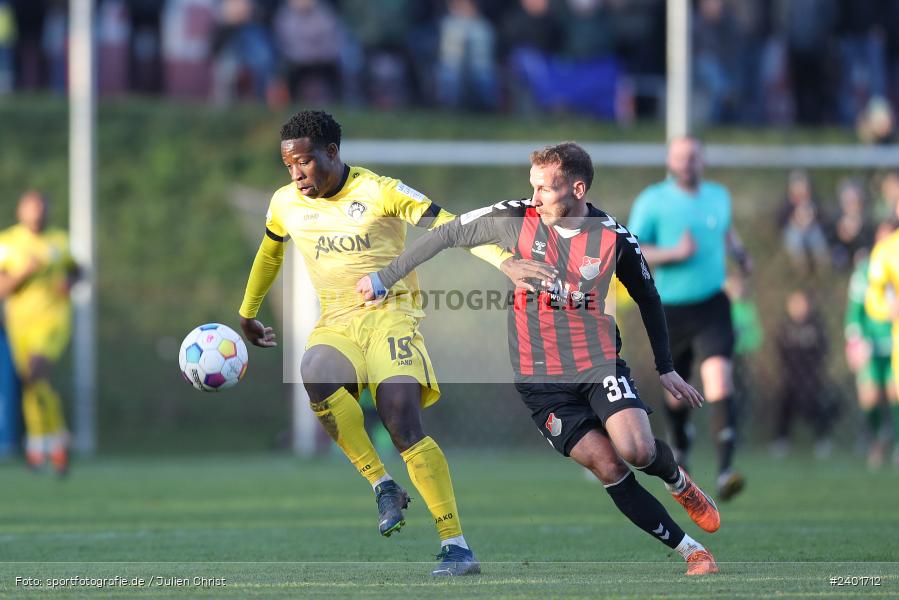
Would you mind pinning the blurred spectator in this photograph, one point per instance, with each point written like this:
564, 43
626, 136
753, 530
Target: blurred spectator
809, 26
716, 45
753, 22
145, 65
7, 47
30, 72
530, 33
113, 41
541, 78
851, 230
888, 207
466, 69
802, 352
381, 29
803, 235
187, 30
876, 124
308, 37
640, 32
54, 42
862, 52
589, 30
531, 25
244, 59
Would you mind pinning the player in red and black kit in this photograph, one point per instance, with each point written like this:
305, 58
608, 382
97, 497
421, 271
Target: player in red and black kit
564, 347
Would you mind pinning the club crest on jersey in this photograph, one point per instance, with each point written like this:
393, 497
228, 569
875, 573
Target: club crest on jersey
539, 248
355, 210
553, 424
589, 267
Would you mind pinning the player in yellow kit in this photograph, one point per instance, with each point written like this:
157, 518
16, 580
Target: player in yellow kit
882, 297
347, 222
36, 271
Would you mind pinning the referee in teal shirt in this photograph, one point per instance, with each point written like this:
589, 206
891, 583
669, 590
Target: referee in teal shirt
685, 230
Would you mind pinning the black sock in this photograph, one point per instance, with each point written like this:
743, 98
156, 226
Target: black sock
645, 511
663, 465
679, 427
724, 430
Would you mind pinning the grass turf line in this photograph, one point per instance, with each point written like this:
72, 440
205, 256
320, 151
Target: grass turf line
280, 527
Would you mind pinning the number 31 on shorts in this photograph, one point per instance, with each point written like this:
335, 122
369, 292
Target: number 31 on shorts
614, 390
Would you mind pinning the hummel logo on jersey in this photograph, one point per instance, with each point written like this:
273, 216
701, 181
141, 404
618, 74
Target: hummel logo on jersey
553, 424
589, 267
644, 269
341, 244
613, 224
355, 210
539, 248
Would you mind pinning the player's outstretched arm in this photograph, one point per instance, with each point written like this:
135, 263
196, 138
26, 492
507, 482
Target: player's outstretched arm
490, 253
632, 270
522, 272
262, 274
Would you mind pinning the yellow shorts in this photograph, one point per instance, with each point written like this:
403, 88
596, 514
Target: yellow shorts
46, 337
382, 344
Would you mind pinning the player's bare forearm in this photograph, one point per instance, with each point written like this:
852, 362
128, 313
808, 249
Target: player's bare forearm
738, 251
256, 333
657, 255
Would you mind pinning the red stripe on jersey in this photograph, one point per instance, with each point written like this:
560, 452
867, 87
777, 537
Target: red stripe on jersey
525, 242
546, 314
528, 232
607, 252
579, 346
525, 353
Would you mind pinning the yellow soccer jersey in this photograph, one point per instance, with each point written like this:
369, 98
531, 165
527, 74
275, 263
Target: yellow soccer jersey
44, 295
883, 281
357, 231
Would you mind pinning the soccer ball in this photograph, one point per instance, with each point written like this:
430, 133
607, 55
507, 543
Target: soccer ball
213, 357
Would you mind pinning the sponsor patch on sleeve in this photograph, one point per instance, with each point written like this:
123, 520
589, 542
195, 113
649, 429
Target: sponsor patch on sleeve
410, 192
471, 215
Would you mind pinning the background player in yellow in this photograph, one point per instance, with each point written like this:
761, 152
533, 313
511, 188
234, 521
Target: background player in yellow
347, 222
882, 297
36, 271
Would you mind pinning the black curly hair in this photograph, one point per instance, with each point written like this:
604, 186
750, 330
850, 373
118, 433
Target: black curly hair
318, 126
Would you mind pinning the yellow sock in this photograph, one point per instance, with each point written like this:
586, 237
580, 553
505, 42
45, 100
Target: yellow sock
32, 412
51, 405
341, 416
430, 474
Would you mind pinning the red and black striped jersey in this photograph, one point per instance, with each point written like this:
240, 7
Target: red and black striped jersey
565, 328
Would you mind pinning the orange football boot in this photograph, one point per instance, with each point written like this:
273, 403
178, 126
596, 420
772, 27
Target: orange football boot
698, 505
701, 562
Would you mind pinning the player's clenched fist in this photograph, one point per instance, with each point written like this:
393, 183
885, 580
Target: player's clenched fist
371, 287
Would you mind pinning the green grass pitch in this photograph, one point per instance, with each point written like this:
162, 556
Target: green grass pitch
276, 527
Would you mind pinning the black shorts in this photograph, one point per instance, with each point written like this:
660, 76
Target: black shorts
699, 331
564, 412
